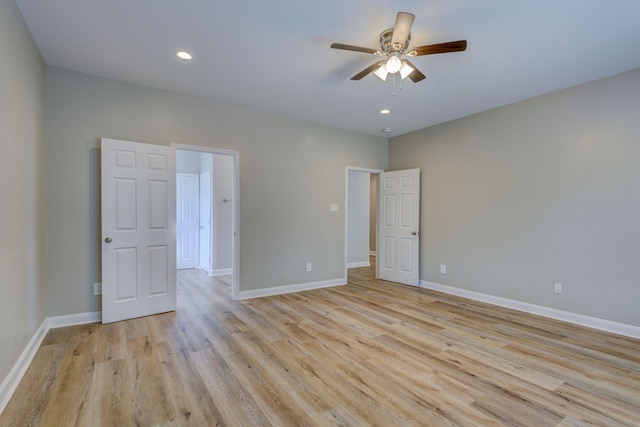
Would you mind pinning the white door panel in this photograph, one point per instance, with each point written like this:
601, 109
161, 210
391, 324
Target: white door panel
187, 220
138, 220
399, 226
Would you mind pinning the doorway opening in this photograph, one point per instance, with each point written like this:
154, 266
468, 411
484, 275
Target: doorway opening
207, 211
360, 216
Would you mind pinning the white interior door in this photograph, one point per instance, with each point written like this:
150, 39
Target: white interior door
138, 230
187, 220
205, 262
399, 226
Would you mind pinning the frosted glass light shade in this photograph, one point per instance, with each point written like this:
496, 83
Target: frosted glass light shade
393, 64
381, 72
405, 70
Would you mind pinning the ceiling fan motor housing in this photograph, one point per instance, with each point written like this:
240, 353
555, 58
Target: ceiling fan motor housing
387, 46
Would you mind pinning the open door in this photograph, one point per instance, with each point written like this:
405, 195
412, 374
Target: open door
187, 217
138, 230
399, 226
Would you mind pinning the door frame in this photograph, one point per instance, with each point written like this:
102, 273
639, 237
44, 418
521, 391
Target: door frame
235, 255
346, 214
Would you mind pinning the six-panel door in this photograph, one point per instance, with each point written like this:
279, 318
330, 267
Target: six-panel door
399, 226
138, 223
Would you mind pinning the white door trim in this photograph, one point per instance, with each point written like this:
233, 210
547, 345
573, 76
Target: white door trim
346, 212
235, 198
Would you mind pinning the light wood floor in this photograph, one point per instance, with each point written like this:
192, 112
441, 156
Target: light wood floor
369, 353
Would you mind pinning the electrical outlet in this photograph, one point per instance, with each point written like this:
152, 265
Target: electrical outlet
97, 288
309, 266
443, 269
557, 288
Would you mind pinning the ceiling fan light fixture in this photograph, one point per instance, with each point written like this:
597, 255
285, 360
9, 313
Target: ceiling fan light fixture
405, 69
394, 46
381, 72
393, 64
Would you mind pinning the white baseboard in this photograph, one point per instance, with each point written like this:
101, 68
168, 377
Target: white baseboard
287, 289
220, 272
565, 316
74, 319
11, 381
359, 264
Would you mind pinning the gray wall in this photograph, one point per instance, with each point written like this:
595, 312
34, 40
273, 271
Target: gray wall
22, 150
373, 211
187, 162
222, 226
290, 171
537, 192
206, 165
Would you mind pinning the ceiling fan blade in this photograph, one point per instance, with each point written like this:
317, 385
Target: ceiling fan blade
402, 28
352, 48
431, 49
416, 75
367, 70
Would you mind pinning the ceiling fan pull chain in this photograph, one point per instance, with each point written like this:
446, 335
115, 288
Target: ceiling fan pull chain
394, 83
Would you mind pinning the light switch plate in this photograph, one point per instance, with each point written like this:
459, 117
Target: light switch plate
334, 207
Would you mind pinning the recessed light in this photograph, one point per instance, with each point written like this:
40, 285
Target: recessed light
386, 130
183, 54
385, 111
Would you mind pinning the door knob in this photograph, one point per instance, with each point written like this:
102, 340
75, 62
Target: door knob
413, 233
108, 240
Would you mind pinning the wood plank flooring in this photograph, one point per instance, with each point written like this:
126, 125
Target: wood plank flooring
368, 353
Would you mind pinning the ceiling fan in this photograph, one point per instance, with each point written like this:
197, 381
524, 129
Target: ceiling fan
394, 44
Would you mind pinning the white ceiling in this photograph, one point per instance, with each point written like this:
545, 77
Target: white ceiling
275, 56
